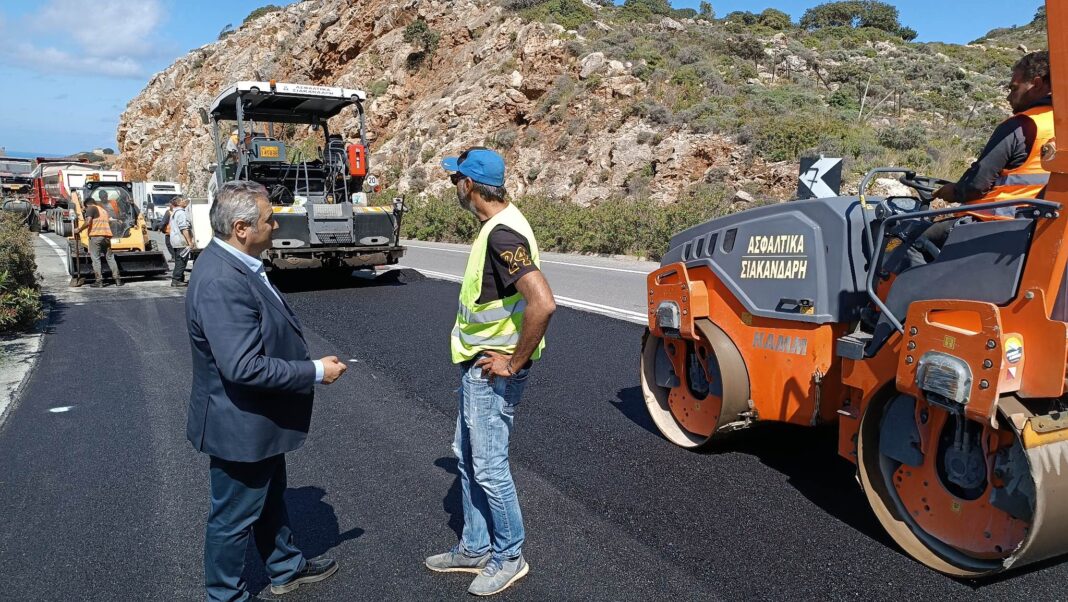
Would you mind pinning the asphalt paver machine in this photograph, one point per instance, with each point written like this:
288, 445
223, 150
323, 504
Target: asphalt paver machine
317, 191
943, 362
135, 253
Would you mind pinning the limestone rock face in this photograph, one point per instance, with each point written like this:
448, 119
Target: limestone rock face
493, 79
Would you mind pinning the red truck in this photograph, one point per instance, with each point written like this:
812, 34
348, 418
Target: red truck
54, 180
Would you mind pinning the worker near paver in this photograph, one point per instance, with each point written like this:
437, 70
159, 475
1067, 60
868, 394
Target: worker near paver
1010, 166
98, 222
504, 311
251, 399
165, 226
181, 240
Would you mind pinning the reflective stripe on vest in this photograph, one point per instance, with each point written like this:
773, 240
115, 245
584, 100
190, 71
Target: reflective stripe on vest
494, 325
474, 340
492, 315
1027, 180
101, 225
1023, 179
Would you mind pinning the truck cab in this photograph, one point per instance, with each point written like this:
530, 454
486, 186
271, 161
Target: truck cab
154, 198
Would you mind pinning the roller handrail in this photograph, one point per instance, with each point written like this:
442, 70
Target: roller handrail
869, 284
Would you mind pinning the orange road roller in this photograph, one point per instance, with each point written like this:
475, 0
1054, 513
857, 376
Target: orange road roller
937, 339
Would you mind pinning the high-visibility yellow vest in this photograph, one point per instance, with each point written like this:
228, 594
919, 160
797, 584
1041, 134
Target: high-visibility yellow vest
1027, 180
495, 325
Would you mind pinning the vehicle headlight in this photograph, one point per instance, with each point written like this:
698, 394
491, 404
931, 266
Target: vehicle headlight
667, 316
944, 375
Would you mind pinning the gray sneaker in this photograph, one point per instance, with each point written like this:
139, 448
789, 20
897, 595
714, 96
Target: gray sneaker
456, 561
498, 576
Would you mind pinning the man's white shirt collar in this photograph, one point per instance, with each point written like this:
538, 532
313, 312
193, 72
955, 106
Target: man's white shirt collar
252, 263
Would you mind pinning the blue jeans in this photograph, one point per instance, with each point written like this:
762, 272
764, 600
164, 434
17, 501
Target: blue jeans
492, 519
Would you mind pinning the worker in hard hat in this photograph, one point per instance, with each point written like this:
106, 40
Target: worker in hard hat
1010, 166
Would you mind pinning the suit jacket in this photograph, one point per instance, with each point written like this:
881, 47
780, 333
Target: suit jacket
253, 379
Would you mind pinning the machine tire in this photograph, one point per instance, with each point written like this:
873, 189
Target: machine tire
735, 390
70, 259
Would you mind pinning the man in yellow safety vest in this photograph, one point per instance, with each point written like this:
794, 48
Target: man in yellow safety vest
504, 311
1010, 166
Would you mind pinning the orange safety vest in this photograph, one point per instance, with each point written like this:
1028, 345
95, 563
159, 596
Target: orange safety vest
1027, 180
101, 225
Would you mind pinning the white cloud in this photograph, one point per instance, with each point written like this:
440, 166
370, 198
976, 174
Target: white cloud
105, 37
104, 28
60, 61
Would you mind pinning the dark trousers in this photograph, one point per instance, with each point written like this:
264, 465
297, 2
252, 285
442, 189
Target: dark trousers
180, 261
247, 497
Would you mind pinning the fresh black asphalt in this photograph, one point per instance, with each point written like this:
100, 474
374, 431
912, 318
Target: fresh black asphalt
107, 501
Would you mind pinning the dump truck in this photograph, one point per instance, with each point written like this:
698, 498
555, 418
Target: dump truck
943, 363
135, 253
316, 185
53, 182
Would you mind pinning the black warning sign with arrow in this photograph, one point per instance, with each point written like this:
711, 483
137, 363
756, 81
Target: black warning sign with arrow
819, 177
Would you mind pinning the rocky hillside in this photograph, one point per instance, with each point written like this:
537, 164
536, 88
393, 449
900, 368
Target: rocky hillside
590, 102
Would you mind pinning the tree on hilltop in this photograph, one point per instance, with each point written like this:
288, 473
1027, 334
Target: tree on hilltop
774, 19
856, 14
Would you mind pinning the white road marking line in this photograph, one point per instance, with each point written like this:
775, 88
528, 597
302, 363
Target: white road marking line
55, 247
597, 308
60, 409
576, 265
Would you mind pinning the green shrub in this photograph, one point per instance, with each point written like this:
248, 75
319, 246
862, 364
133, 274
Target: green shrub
645, 10
442, 219
612, 226
903, 138
20, 296
419, 34
259, 12
788, 137
571, 14
504, 139
378, 87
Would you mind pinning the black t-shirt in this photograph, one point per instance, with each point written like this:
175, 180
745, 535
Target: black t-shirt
507, 260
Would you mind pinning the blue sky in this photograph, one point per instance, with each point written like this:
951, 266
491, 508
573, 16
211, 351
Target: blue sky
69, 67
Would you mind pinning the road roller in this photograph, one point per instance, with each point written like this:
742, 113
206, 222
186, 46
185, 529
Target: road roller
936, 339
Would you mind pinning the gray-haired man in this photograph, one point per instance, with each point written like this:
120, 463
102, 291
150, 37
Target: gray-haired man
251, 402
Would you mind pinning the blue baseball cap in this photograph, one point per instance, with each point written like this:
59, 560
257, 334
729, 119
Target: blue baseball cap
480, 164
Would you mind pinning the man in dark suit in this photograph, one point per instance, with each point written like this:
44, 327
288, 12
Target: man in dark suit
251, 401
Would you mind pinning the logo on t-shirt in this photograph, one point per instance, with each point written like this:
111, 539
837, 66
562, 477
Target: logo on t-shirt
517, 259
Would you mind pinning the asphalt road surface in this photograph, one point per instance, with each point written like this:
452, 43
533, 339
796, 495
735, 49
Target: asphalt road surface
101, 497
